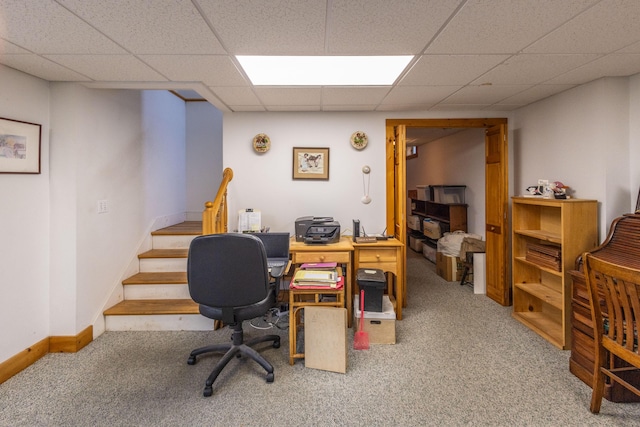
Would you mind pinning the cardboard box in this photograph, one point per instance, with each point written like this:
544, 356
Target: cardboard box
431, 229
429, 252
416, 243
448, 267
413, 222
380, 326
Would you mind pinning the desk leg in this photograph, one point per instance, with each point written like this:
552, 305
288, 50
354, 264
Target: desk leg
349, 295
292, 329
399, 296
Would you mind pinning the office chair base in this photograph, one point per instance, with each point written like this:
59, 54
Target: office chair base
235, 349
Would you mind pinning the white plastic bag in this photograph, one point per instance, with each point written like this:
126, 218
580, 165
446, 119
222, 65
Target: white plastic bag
450, 243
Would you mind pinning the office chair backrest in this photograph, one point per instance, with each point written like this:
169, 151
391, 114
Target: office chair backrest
227, 270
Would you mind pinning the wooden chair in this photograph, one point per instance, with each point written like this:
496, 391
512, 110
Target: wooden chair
616, 334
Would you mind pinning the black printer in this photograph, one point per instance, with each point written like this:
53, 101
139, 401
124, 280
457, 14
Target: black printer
317, 229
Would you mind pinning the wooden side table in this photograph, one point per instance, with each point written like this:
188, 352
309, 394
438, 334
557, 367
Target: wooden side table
301, 298
388, 256
339, 252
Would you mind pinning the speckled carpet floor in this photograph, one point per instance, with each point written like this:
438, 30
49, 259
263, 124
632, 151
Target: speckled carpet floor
460, 360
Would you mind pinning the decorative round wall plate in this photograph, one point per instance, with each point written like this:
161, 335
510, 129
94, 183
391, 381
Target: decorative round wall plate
261, 143
359, 140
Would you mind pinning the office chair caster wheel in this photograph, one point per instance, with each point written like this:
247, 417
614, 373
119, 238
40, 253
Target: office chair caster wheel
270, 377
208, 391
191, 360
276, 344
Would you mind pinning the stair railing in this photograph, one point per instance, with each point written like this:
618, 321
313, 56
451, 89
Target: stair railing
214, 216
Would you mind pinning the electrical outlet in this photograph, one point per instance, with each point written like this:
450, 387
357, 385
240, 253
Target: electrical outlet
103, 206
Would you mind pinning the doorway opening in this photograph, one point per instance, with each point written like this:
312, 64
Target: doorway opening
496, 190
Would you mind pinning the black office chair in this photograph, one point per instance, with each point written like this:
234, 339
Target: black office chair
228, 277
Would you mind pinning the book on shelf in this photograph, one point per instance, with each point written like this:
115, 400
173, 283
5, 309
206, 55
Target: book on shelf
549, 256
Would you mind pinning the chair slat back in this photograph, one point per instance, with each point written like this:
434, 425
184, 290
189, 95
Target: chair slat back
618, 288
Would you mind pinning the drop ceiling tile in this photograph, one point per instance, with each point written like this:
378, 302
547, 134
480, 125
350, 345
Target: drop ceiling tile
212, 70
7, 47
593, 32
516, 24
610, 65
503, 107
150, 27
377, 27
404, 107
358, 107
294, 108
289, 96
483, 95
276, 27
532, 69
115, 68
236, 95
419, 94
449, 70
534, 94
247, 108
632, 48
354, 95
460, 107
42, 68
58, 30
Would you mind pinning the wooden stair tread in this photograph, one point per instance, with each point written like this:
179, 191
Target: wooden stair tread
165, 253
151, 307
160, 277
186, 228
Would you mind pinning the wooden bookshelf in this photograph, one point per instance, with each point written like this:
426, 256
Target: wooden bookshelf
542, 295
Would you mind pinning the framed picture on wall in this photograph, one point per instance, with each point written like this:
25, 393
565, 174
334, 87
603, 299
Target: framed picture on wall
19, 146
310, 163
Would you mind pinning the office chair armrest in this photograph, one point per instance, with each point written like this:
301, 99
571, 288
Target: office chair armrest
277, 272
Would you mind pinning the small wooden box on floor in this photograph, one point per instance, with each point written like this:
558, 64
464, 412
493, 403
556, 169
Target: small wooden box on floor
379, 326
325, 338
448, 267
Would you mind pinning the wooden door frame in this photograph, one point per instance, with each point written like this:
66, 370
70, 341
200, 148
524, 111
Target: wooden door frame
398, 166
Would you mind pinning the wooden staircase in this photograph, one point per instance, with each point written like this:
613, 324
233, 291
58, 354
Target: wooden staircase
157, 298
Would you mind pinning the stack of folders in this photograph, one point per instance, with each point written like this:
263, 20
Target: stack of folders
318, 275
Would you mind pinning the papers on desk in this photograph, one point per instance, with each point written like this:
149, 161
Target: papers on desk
318, 279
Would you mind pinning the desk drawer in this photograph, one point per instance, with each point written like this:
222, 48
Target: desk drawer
339, 257
377, 255
384, 266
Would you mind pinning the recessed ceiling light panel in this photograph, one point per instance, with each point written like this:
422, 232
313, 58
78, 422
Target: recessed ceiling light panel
323, 70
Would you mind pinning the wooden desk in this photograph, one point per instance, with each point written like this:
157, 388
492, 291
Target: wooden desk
339, 252
388, 256
301, 298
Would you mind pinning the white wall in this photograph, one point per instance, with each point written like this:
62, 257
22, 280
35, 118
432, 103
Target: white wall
204, 156
455, 160
126, 147
24, 215
264, 181
580, 137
